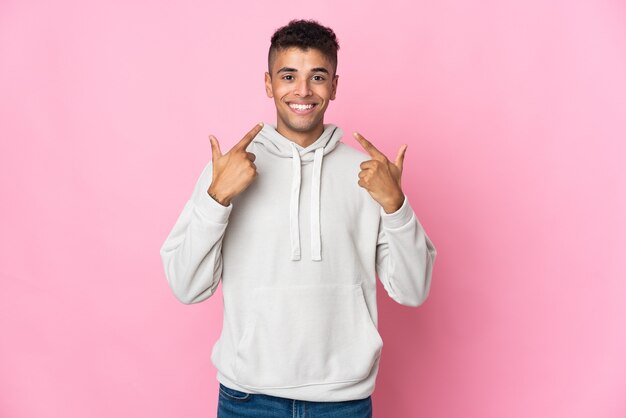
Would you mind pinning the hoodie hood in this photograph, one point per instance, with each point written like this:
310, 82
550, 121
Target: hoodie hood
282, 147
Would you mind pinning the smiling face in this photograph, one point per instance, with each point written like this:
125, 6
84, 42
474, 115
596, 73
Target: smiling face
302, 83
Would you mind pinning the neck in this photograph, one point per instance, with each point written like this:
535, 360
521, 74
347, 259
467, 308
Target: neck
304, 139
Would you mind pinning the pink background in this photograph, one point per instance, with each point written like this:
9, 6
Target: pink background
515, 116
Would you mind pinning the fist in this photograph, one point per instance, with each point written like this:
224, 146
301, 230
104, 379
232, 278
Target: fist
234, 171
381, 177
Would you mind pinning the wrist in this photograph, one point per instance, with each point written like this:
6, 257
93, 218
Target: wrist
394, 204
220, 197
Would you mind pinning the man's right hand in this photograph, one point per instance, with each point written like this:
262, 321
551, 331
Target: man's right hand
233, 171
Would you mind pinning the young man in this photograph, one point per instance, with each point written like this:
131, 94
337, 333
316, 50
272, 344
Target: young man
297, 224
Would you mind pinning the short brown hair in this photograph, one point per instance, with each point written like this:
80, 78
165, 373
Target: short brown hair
304, 34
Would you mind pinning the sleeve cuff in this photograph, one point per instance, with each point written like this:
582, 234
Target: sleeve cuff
398, 218
212, 211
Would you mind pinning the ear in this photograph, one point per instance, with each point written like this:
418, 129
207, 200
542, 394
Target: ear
334, 87
268, 85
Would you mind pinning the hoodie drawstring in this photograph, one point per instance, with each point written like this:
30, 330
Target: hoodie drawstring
316, 178
294, 206
294, 221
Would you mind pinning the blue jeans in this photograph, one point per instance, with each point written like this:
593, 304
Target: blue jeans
235, 404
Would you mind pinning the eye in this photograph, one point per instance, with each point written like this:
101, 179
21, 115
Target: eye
288, 77
318, 78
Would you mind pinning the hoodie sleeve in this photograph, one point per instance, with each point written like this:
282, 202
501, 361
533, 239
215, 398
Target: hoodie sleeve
192, 252
404, 256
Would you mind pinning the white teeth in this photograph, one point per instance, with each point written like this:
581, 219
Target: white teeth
300, 107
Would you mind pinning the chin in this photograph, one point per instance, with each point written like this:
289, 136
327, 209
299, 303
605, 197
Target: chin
304, 127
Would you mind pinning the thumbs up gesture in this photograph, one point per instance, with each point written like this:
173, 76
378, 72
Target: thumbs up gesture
234, 171
381, 177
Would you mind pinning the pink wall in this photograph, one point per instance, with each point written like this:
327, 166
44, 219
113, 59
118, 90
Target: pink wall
515, 116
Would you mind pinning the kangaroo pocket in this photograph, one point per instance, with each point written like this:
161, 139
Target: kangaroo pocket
307, 335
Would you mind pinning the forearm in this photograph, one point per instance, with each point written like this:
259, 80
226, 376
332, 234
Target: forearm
405, 257
192, 252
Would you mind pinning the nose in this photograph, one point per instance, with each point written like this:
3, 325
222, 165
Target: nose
302, 88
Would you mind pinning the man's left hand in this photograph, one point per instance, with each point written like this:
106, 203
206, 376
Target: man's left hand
380, 177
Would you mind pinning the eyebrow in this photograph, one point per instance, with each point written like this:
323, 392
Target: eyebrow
286, 70
293, 70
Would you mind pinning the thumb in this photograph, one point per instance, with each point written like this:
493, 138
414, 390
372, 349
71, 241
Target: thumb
400, 158
215, 148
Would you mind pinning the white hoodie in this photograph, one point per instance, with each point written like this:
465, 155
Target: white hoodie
297, 253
